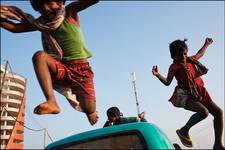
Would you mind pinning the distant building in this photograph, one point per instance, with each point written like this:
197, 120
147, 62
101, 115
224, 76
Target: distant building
13, 89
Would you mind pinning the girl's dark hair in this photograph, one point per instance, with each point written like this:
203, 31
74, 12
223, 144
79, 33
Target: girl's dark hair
177, 46
36, 4
114, 112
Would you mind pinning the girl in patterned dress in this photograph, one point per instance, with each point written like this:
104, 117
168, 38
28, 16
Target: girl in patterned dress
190, 92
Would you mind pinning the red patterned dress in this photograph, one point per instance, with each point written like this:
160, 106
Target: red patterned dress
189, 83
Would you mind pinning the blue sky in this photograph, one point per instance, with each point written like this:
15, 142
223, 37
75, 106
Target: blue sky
127, 36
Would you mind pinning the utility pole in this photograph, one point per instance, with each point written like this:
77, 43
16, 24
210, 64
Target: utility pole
44, 137
133, 78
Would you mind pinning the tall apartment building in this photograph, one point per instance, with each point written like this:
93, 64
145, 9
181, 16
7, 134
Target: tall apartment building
13, 89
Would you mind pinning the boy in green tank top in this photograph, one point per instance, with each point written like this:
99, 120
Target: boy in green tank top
70, 69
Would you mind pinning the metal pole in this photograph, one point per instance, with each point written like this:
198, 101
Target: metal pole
2, 111
1, 86
133, 77
4, 75
44, 137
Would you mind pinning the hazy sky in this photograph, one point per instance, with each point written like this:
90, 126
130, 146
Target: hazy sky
127, 36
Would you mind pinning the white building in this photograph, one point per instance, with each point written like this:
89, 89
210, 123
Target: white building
13, 89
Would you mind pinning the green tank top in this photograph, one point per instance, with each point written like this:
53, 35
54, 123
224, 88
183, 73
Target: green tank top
70, 39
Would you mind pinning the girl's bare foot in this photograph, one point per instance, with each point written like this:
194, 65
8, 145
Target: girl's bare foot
93, 117
47, 108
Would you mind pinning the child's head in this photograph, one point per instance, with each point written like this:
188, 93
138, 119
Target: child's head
46, 7
113, 114
178, 50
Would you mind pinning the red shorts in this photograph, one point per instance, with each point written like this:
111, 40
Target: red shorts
180, 97
77, 75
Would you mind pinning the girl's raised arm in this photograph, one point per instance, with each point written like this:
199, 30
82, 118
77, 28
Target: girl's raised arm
165, 81
202, 51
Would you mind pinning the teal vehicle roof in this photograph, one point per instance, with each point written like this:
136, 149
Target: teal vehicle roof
154, 137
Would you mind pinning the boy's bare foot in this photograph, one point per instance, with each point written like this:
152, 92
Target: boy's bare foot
47, 108
93, 117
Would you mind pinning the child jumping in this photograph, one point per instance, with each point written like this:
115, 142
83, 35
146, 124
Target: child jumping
63, 64
190, 92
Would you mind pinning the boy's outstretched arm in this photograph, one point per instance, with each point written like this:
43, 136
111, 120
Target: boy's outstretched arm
165, 81
201, 52
80, 5
13, 12
15, 27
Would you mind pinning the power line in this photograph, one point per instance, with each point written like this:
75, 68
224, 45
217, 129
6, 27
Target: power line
31, 117
46, 131
21, 123
4, 75
198, 132
4, 108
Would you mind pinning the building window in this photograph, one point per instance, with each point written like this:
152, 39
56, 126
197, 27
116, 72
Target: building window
8, 132
4, 113
19, 131
17, 141
2, 123
15, 88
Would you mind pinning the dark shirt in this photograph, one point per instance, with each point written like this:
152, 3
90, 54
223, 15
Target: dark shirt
123, 120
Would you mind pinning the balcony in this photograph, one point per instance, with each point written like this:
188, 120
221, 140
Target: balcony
13, 111
12, 92
5, 137
18, 85
13, 102
7, 118
6, 127
16, 77
3, 146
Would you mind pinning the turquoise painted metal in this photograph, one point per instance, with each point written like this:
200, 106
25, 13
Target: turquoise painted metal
152, 136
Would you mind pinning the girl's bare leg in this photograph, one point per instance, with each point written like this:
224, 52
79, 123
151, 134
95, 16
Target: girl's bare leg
217, 123
201, 113
44, 66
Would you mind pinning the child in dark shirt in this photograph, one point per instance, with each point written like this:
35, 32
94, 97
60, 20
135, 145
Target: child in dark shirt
115, 117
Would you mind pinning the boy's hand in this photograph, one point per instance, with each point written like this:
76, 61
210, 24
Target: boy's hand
141, 115
10, 12
155, 70
208, 41
3, 9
